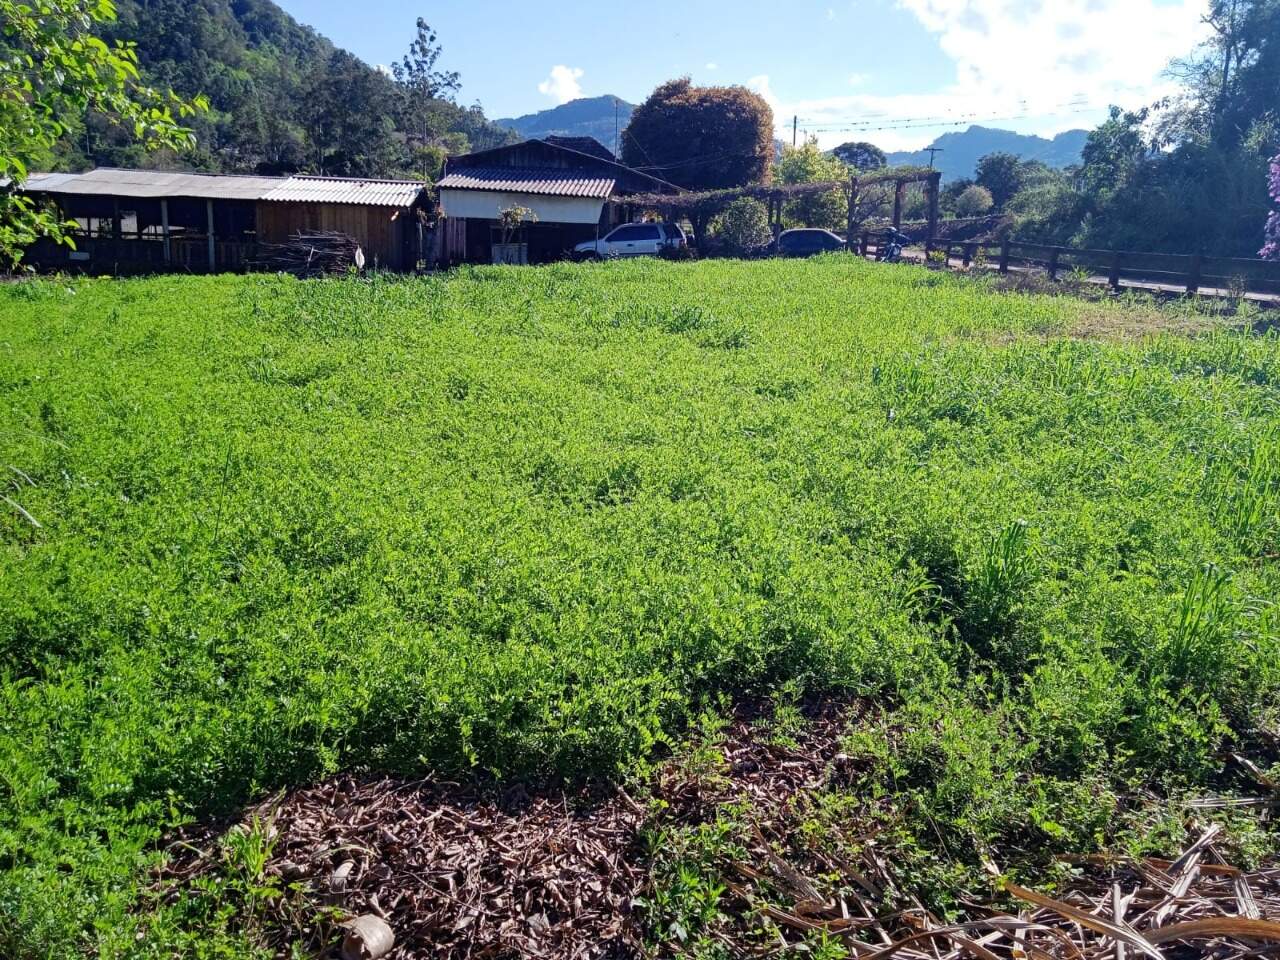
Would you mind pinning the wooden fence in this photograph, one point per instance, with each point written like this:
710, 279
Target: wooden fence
1190, 273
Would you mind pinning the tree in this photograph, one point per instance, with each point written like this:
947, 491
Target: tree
1272, 249
348, 116
861, 156
744, 226
1001, 175
424, 90
974, 202
53, 67
702, 138
808, 164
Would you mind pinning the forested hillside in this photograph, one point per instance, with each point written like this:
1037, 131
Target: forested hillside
282, 97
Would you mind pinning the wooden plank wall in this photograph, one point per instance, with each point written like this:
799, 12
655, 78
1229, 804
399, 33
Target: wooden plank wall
372, 227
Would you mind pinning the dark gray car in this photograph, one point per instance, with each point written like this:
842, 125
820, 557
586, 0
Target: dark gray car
807, 243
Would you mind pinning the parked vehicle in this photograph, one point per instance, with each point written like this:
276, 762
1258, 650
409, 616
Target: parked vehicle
633, 240
806, 243
890, 249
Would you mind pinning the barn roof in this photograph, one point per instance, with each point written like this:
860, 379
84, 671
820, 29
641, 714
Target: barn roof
551, 160
548, 182
163, 184
588, 145
151, 184
371, 193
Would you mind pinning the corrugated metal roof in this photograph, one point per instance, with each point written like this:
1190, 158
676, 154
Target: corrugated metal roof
557, 183
152, 184
159, 184
379, 193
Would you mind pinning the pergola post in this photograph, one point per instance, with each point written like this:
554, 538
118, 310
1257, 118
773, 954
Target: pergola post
899, 189
934, 188
164, 226
213, 259
853, 210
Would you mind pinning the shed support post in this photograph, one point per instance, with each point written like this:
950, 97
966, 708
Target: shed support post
898, 190
213, 260
1114, 278
1053, 264
1004, 255
164, 226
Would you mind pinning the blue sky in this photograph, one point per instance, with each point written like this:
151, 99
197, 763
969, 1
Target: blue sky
896, 72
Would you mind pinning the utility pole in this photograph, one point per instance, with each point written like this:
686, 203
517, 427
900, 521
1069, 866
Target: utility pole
932, 152
616, 146
795, 132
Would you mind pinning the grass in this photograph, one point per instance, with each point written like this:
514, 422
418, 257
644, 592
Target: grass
531, 523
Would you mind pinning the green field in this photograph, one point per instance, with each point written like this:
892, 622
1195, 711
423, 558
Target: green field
533, 521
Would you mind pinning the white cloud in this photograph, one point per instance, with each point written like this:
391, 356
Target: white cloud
831, 13
562, 85
760, 84
712, 66
1035, 64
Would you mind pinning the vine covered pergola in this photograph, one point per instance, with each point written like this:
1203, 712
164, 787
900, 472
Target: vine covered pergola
863, 192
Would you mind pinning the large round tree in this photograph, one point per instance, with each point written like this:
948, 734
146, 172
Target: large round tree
702, 138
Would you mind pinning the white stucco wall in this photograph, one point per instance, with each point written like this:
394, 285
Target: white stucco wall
488, 205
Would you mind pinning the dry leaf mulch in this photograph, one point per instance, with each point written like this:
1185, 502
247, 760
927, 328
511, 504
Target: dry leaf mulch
460, 872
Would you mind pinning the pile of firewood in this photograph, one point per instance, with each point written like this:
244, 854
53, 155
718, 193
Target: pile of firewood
312, 254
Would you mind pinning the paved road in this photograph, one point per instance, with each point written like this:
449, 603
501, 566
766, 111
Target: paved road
1263, 299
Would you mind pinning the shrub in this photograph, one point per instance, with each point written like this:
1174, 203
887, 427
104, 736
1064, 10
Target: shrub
744, 227
974, 202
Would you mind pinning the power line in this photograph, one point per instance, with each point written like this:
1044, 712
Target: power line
945, 123
898, 123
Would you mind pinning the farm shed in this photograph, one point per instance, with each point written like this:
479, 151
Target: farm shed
142, 221
565, 182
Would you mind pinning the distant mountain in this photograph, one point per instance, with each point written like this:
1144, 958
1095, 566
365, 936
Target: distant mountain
962, 151
588, 117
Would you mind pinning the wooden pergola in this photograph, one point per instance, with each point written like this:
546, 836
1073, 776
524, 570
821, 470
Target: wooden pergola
700, 207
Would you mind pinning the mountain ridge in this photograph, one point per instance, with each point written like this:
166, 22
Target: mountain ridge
584, 117
960, 151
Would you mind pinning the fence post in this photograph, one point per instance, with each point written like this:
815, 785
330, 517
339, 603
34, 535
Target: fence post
1053, 264
1004, 255
1114, 278
1197, 271
968, 254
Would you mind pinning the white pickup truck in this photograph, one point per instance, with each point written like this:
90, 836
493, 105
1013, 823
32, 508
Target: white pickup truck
633, 240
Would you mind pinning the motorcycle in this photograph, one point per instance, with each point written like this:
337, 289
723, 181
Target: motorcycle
890, 250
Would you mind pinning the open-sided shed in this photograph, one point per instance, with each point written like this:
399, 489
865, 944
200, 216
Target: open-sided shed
137, 221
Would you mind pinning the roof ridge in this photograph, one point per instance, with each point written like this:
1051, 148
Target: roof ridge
179, 173
319, 176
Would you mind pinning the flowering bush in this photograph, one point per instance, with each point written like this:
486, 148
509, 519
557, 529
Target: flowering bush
1272, 250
